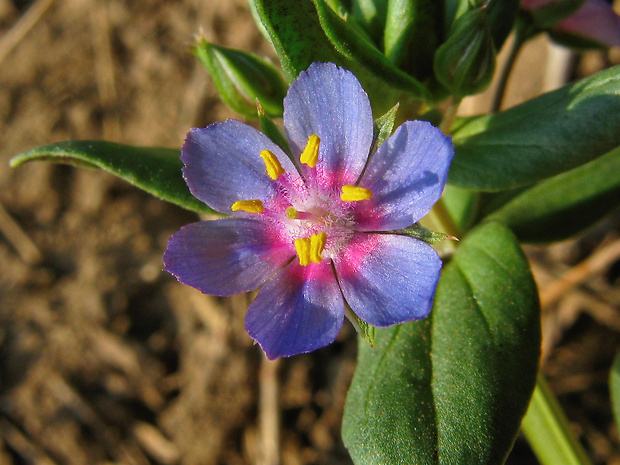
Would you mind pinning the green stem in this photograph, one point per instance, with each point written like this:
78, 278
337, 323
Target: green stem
503, 80
547, 430
442, 216
449, 116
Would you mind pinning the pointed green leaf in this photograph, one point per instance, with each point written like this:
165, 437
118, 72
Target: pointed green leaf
452, 389
540, 138
153, 169
241, 78
560, 207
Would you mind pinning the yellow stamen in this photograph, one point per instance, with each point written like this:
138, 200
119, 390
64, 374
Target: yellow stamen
317, 244
291, 213
250, 206
302, 247
310, 155
309, 249
355, 193
274, 168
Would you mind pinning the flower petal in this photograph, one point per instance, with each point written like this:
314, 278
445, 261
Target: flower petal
223, 164
406, 176
225, 257
388, 279
299, 310
329, 101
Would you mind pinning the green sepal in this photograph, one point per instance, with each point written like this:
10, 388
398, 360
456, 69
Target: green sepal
417, 231
241, 78
465, 62
383, 128
564, 205
540, 138
452, 389
155, 170
365, 330
413, 31
273, 131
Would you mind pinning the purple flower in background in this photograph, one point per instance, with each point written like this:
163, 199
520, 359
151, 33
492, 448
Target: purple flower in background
313, 230
595, 20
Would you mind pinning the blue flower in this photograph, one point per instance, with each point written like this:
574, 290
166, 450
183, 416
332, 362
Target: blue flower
314, 230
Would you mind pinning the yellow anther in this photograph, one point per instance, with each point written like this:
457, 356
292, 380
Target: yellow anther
317, 244
274, 168
310, 155
291, 213
250, 206
355, 193
309, 249
302, 247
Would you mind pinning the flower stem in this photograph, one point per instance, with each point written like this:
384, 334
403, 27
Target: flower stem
442, 216
449, 115
547, 430
522, 33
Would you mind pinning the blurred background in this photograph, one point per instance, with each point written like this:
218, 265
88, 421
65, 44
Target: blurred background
104, 358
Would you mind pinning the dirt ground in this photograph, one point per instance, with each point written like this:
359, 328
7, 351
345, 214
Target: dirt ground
104, 358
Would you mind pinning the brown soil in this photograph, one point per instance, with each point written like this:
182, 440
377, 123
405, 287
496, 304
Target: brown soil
104, 358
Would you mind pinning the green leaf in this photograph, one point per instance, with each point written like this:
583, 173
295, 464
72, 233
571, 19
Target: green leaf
242, 78
413, 31
462, 206
547, 430
452, 389
371, 14
153, 169
502, 16
554, 12
614, 388
540, 138
356, 46
296, 34
299, 40
560, 207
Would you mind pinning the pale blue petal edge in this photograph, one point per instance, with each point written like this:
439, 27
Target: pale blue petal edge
393, 280
224, 257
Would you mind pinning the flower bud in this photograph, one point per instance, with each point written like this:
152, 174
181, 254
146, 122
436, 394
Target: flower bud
242, 78
465, 62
